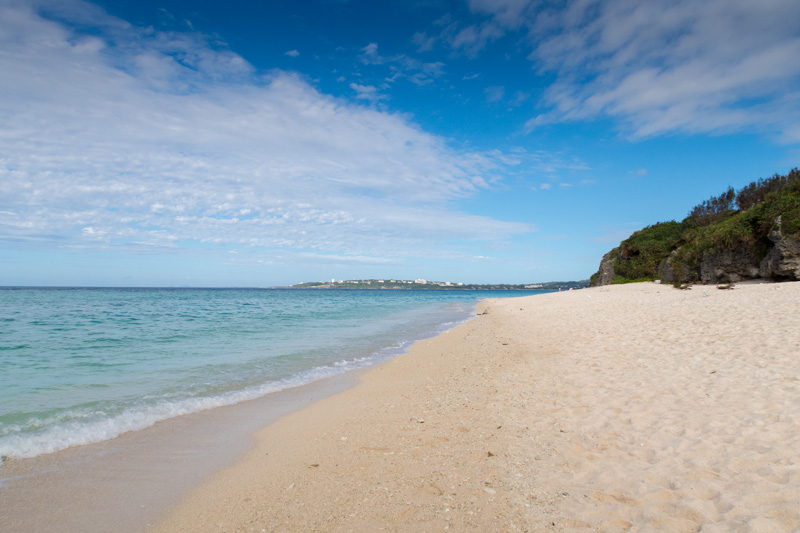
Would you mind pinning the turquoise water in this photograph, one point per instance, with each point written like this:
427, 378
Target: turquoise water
85, 365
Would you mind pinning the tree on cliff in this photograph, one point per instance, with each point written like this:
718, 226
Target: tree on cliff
714, 209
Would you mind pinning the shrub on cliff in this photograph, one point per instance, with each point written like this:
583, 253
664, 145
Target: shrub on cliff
641, 253
784, 203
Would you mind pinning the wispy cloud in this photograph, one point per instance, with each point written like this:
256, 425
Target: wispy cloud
494, 93
402, 66
345, 259
470, 40
367, 92
423, 41
691, 66
125, 137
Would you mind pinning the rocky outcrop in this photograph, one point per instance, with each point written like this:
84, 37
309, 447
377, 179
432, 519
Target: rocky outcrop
606, 272
753, 233
729, 266
668, 272
783, 260
782, 263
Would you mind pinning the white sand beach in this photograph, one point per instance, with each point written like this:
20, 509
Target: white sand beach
623, 408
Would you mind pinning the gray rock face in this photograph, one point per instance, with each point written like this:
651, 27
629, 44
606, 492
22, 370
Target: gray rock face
783, 261
607, 265
729, 266
667, 273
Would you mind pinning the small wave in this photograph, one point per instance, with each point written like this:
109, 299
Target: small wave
70, 428
79, 427
353, 362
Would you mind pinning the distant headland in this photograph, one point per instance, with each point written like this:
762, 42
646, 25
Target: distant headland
421, 284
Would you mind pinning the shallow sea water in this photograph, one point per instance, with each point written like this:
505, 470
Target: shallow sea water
86, 365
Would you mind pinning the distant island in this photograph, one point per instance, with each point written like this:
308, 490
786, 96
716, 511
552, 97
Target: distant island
421, 284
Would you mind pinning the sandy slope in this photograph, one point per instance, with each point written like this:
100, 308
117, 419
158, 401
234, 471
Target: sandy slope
635, 407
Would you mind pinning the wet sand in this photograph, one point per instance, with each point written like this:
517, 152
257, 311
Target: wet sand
127, 484
635, 407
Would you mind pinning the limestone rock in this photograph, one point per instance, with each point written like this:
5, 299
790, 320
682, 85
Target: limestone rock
729, 266
783, 261
606, 271
669, 272
666, 272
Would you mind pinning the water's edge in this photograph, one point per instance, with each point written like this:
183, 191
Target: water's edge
128, 483
61, 393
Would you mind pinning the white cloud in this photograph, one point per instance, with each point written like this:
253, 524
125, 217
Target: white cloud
692, 66
155, 140
519, 98
402, 66
371, 56
367, 92
423, 42
345, 259
470, 40
292, 53
494, 93
509, 13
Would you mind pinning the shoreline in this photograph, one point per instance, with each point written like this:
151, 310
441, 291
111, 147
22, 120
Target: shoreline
204, 363
611, 408
132, 480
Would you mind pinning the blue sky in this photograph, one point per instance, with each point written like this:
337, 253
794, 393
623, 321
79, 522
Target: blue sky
237, 143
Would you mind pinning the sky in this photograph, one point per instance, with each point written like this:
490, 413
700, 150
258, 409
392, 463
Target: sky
249, 144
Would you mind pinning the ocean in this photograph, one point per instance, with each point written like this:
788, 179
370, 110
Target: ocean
85, 365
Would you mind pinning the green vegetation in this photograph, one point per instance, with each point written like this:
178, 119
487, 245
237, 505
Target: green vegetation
640, 254
714, 209
738, 221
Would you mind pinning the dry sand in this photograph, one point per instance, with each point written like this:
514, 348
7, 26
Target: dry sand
635, 407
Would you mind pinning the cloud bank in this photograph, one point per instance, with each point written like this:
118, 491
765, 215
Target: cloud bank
662, 66
115, 136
